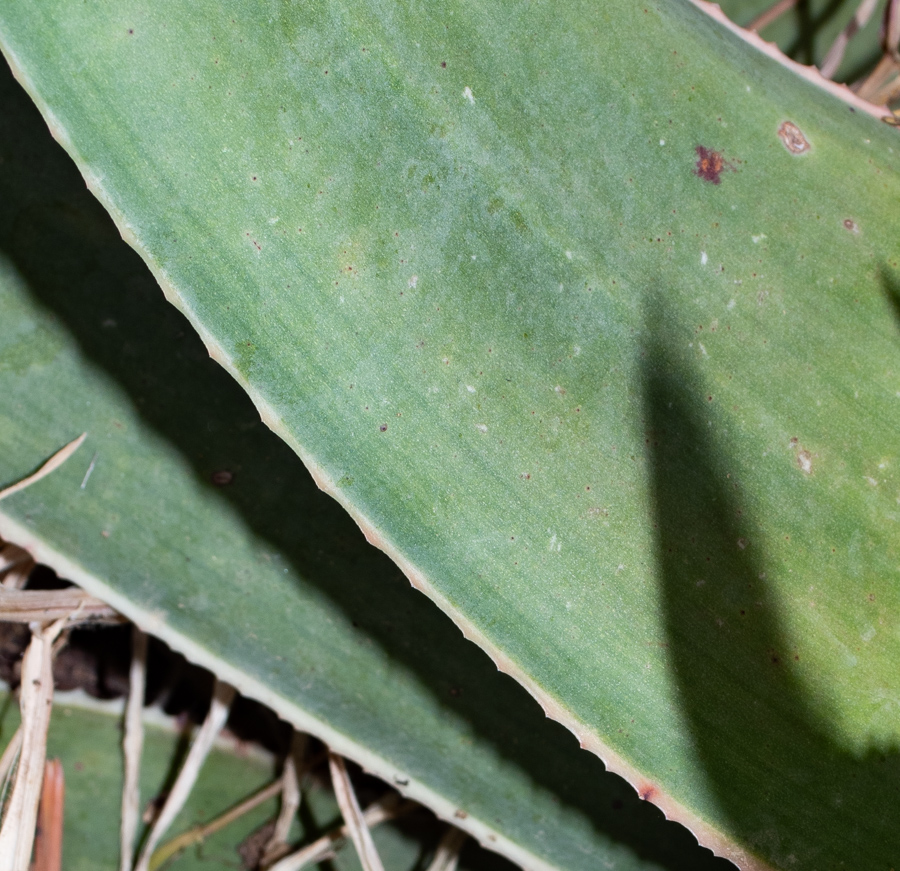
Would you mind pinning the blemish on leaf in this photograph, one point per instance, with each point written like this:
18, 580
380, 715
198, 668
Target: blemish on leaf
646, 793
851, 225
804, 460
710, 165
792, 138
383, 427
222, 478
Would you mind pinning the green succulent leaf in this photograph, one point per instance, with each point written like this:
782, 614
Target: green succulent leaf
86, 738
203, 527
88, 741
586, 313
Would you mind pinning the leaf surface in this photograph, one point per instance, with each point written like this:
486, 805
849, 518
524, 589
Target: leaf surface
604, 361
203, 527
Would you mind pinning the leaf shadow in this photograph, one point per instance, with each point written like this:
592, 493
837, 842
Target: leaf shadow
65, 246
890, 285
778, 775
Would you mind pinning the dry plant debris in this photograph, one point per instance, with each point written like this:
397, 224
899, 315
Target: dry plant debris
51, 465
353, 815
35, 700
447, 856
132, 747
223, 696
48, 843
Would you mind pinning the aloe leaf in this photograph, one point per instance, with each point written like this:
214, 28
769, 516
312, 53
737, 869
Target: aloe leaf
583, 313
86, 738
260, 577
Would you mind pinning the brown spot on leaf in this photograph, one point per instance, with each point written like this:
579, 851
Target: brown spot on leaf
851, 225
710, 164
647, 792
792, 137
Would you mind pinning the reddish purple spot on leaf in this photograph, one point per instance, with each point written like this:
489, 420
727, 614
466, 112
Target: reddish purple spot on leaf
710, 164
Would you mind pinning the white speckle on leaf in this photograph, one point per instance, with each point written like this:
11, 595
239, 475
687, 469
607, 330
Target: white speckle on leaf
662, 141
703, 258
731, 304
758, 239
413, 281
868, 635
559, 390
702, 349
804, 460
569, 255
274, 220
481, 427
467, 93
576, 350
872, 481
470, 388
555, 546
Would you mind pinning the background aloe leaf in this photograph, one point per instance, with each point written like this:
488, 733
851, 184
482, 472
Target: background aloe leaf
87, 740
265, 580
452, 251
